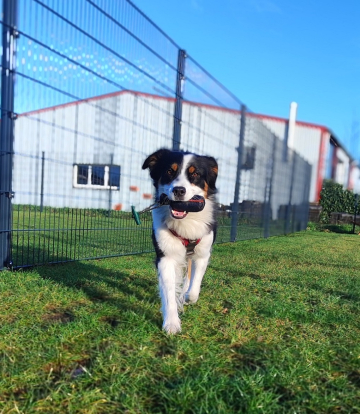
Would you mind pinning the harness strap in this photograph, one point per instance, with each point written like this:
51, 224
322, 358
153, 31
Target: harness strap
189, 244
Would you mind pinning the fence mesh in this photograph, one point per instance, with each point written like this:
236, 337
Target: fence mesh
98, 88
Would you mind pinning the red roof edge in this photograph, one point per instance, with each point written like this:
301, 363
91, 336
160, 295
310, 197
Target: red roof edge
149, 95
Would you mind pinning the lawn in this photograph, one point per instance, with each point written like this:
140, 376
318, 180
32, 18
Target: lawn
276, 330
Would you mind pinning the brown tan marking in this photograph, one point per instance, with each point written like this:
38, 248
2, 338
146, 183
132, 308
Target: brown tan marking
206, 188
215, 169
174, 166
191, 169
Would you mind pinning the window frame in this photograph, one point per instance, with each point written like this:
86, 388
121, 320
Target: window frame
89, 185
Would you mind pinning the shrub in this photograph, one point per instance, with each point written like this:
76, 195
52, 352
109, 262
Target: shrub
333, 198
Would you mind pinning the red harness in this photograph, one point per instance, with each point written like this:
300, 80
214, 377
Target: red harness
189, 244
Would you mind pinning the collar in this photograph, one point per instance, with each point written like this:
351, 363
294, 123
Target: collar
189, 244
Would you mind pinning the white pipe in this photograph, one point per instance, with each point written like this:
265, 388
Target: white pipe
292, 125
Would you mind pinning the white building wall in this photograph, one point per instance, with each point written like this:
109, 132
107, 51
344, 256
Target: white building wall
277, 126
342, 167
128, 127
307, 141
355, 179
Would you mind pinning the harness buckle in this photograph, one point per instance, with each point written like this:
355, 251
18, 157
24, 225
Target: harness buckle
188, 244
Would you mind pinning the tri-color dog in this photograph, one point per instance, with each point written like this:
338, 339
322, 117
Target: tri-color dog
182, 239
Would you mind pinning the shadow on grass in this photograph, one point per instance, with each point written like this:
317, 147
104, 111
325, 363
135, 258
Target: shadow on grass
343, 229
121, 287
333, 228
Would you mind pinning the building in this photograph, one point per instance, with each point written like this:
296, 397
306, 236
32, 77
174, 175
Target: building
88, 154
322, 149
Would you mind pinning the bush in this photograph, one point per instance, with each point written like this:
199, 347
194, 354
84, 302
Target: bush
333, 198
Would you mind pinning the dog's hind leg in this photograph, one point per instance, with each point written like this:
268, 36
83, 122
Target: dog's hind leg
168, 291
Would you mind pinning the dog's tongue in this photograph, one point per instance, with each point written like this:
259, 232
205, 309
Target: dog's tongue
178, 214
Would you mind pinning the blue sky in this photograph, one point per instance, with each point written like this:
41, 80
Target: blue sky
272, 52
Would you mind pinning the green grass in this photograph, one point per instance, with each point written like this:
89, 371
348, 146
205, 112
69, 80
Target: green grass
276, 330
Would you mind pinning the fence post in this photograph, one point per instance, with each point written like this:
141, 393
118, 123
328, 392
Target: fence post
305, 213
42, 181
110, 193
180, 79
268, 190
9, 35
240, 150
355, 210
289, 206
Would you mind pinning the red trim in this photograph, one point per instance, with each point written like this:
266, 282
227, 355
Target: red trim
321, 164
218, 108
301, 123
149, 95
96, 98
52, 108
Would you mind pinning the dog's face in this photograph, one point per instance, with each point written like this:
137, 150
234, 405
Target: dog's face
181, 175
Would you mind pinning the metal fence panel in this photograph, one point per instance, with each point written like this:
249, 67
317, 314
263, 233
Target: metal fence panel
99, 87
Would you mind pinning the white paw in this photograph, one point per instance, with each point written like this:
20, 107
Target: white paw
172, 327
191, 298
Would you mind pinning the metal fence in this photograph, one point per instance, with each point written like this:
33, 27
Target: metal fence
89, 89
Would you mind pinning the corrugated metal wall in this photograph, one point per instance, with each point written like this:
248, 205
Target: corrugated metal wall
123, 129
307, 143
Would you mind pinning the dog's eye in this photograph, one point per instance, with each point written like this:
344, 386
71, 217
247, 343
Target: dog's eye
195, 175
169, 171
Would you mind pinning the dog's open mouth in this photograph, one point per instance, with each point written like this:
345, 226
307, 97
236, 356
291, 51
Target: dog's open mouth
178, 214
180, 209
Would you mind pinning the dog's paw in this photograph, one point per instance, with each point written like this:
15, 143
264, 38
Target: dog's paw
172, 327
191, 298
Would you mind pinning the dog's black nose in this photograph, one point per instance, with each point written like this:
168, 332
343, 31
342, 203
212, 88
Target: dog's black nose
179, 191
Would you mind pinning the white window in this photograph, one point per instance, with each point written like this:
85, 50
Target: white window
100, 177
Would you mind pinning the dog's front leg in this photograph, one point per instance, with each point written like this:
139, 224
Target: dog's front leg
167, 284
200, 265
200, 262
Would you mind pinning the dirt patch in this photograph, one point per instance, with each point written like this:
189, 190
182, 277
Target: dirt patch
59, 316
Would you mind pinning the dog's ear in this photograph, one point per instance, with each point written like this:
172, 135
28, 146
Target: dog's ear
212, 172
152, 160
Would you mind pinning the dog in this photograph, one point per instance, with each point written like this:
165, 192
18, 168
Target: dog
181, 238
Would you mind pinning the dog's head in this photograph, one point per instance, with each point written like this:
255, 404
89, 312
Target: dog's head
182, 175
